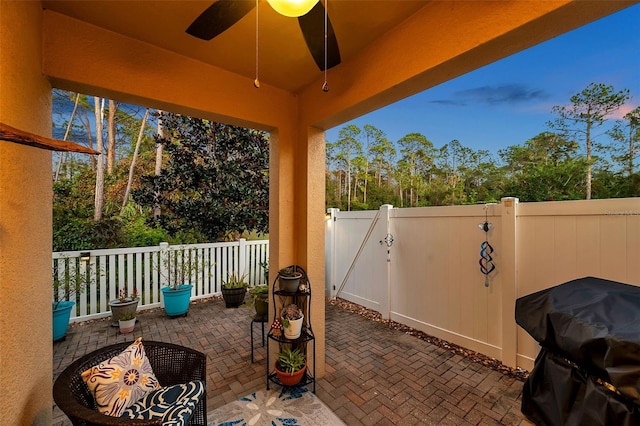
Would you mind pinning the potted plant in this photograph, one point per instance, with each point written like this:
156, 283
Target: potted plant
127, 322
124, 304
259, 296
67, 283
234, 289
289, 279
290, 366
179, 270
291, 319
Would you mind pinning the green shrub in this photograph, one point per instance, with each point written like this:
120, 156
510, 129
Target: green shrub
72, 234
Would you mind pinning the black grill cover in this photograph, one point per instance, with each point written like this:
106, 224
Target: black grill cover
593, 322
558, 392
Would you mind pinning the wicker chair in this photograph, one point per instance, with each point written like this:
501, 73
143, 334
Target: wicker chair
172, 364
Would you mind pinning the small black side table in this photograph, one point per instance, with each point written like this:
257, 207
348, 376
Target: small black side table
261, 320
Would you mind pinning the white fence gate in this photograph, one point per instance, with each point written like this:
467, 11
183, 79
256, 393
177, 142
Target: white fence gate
419, 266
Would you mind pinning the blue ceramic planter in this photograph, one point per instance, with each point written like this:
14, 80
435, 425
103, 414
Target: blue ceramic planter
176, 302
61, 317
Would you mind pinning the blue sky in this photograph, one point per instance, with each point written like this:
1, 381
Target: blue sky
510, 101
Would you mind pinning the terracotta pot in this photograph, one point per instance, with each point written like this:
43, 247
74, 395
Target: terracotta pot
290, 379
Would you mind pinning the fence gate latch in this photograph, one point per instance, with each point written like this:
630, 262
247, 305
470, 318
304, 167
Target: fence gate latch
388, 241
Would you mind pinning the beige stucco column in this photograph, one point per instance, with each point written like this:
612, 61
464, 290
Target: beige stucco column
310, 186
25, 223
296, 216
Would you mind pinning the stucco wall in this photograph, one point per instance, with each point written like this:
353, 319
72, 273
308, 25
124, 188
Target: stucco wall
25, 223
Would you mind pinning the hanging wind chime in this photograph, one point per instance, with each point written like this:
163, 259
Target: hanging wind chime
486, 260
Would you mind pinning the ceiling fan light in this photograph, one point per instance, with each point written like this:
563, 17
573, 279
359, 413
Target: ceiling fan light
292, 8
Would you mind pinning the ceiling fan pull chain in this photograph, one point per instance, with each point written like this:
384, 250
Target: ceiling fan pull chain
256, 82
325, 85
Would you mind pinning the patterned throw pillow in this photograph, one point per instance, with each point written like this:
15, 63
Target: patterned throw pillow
173, 404
119, 382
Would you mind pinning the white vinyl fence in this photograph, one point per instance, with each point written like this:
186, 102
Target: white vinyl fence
420, 266
147, 269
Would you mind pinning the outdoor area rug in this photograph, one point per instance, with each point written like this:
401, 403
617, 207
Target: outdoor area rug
289, 406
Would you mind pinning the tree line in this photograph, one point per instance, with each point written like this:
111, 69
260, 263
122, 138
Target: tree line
572, 159
160, 177
168, 177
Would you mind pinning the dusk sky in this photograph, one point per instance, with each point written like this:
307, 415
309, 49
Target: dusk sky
508, 102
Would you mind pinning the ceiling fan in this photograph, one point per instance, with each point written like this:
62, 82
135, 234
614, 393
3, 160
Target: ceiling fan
223, 14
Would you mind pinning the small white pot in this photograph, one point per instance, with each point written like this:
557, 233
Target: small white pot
127, 326
294, 330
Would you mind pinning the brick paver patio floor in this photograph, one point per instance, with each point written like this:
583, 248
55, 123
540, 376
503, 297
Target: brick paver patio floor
374, 375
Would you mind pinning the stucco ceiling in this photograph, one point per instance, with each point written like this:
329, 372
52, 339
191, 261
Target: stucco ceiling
284, 60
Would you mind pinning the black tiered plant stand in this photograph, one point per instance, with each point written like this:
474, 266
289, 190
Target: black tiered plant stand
302, 298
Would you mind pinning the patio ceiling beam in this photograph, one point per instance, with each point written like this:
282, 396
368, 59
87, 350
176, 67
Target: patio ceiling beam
88, 59
443, 40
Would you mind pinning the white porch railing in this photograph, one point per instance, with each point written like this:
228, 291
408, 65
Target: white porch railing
147, 269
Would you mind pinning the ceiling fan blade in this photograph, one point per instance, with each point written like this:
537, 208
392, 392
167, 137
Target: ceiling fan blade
219, 17
312, 26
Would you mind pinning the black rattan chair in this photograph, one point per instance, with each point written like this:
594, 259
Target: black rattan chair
171, 364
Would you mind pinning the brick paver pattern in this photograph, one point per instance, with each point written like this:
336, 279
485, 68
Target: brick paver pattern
374, 375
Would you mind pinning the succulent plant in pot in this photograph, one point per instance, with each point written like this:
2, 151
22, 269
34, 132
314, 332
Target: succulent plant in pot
290, 366
289, 279
127, 322
126, 303
292, 319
